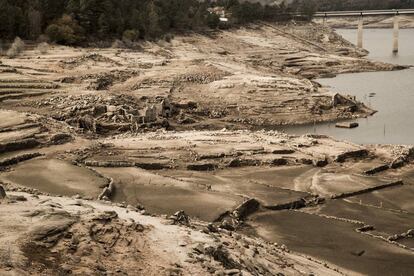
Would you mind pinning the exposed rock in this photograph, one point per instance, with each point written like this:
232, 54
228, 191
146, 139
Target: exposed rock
398, 162
105, 216
107, 191
239, 162
61, 138
320, 162
2, 192
246, 208
351, 154
202, 167
380, 187
49, 233
279, 161
221, 255
180, 217
19, 158
377, 169
339, 99
18, 145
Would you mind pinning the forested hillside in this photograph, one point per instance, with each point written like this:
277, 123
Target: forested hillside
337, 5
76, 21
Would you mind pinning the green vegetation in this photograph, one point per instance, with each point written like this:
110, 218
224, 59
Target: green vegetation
78, 21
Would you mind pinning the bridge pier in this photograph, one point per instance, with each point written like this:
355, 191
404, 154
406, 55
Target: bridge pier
360, 31
396, 34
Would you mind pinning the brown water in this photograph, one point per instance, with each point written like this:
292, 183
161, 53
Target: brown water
394, 93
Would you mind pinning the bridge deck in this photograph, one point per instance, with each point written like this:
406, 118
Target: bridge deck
364, 12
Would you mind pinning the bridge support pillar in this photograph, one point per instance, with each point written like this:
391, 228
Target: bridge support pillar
396, 34
360, 31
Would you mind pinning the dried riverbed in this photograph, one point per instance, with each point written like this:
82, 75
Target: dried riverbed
156, 130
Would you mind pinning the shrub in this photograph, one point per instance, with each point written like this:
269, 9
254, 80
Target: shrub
130, 36
118, 44
43, 38
16, 48
213, 20
61, 34
43, 48
66, 31
168, 37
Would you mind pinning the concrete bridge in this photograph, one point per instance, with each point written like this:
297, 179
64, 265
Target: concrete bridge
363, 13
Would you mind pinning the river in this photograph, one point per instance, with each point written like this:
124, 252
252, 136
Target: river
393, 98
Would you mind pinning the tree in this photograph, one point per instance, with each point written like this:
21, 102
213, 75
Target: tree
153, 29
213, 20
130, 36
35, 23
66, 31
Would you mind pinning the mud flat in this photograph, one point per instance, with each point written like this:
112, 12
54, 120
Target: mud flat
162, 195
387, 222
55, 177
333, 240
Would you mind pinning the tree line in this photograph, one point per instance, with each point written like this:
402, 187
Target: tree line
78, 21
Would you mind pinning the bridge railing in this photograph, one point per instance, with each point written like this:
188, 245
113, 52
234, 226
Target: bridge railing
364, 12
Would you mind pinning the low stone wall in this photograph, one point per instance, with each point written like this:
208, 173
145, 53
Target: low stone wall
377, 169
368, 190
19, 158
19, 145
126, 164
351, 154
